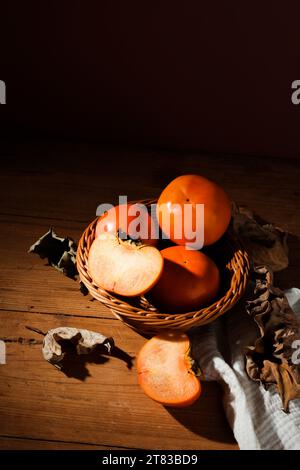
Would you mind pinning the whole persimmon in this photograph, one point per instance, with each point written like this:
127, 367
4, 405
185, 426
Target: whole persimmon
189, 280
166, 370
135, 221
192, 190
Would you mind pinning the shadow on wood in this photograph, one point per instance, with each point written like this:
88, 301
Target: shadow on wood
198, 418
74, 365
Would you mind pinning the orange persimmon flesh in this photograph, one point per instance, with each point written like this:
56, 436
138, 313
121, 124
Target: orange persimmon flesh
165, 370
122, 267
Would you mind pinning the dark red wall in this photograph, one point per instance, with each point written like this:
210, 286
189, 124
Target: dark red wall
215, 76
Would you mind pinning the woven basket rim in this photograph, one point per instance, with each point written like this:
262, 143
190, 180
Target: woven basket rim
139, 317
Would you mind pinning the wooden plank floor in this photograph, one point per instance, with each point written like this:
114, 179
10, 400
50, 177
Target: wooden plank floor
99, 405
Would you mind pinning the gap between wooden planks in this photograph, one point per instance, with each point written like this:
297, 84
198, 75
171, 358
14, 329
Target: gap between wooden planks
107, 408
61, 184
67, 181
13, 443
27, 284
38, 293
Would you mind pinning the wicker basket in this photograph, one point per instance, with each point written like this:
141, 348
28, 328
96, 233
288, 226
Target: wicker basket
140, 315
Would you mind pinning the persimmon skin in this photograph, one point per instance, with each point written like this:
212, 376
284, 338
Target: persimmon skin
110, 222
189, 280
195, 189
122, 267
165, 373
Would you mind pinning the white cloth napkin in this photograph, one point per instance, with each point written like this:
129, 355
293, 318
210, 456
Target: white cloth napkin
255, 415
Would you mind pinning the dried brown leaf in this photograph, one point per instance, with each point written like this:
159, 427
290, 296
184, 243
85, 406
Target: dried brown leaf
288, 387
83, 341
269, 361
59, 251
266, 244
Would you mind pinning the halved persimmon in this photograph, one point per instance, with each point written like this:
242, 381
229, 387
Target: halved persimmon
165, 370
123, 266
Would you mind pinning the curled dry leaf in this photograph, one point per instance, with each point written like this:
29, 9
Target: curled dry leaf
60, 252
269, 361
84, 342
266, 243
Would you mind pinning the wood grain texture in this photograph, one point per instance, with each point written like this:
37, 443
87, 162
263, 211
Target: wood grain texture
97, 402
68, 181
13, 443
100, 403
27, 283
